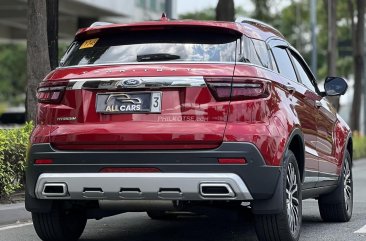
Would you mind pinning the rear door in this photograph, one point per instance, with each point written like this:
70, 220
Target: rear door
303, 102
325, 123
144, 90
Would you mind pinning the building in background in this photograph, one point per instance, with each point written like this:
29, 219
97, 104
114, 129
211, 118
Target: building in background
75, 14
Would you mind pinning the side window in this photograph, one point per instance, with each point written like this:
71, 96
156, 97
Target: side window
284, 63
304, 77
255, 51
69, 50
273, 62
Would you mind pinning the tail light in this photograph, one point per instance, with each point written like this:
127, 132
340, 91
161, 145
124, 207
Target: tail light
238, 88
51, 92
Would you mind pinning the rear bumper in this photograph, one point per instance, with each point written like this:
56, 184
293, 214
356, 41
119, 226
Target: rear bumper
183, 170
141, 186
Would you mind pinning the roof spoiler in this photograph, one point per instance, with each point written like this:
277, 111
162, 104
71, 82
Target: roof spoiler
97, 24
255, 21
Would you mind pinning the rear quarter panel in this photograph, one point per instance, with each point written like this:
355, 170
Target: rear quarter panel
268, 122
342, 134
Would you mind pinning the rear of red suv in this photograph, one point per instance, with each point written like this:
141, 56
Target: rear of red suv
156, 116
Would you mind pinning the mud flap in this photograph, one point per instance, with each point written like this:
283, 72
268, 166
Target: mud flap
37, 205
273, 205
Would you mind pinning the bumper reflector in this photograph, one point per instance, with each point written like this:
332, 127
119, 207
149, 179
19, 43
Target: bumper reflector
232, 161
43, 161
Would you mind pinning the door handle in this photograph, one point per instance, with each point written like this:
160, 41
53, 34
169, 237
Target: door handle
318, 104
290, 88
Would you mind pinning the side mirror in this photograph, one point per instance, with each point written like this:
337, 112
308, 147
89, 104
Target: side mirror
334, 86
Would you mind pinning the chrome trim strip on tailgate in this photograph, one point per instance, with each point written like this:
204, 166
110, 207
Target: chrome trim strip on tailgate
145, 186
136, 82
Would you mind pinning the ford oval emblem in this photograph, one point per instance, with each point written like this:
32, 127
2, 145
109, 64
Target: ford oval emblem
129, 83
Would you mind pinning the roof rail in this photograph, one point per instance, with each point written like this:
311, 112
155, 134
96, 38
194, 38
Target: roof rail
97, 24
255, 21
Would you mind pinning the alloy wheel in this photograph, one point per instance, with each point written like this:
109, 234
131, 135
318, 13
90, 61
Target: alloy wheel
292, 199
347, 178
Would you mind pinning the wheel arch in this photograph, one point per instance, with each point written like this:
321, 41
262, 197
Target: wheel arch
296, 144
274, 205
349, 147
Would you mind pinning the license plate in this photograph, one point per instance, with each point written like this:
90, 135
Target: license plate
129, 102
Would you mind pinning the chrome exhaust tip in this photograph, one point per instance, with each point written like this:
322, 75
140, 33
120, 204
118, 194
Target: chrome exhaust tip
54, 190
219, 190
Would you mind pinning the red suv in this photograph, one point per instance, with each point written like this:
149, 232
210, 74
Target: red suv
168, 115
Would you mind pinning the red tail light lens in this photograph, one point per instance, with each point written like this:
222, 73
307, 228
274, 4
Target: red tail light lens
224, 89
51, 92
220, 87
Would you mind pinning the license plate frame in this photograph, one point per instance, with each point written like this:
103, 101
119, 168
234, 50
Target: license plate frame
129, 102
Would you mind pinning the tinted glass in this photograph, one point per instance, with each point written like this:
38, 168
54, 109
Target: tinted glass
152, 46
304, 77
273, 62
255, 52
284, 63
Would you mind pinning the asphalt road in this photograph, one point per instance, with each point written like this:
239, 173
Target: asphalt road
219, 225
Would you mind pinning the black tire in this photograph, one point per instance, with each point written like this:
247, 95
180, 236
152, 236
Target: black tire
160, 215
282, 226
59, 224
337, 206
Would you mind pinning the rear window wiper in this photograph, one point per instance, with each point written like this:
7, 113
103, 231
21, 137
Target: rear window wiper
156, 57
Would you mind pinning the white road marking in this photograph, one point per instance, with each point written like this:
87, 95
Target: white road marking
15, 226
361, 230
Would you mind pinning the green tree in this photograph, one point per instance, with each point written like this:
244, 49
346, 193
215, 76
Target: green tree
357, 8
261, 10
209, 14
12, 72
293, 22
38, 62
225, 10
205, 14
332, 50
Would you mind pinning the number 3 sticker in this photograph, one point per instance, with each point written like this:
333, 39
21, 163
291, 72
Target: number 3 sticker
156, 102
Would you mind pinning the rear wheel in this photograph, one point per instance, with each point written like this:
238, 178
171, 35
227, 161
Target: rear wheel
59, 224
286, 225
338, 205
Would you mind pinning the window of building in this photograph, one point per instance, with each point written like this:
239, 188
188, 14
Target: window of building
284, 63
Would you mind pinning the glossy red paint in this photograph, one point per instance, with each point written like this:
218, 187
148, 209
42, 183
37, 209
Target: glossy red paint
234, 121
145, 70
192, 118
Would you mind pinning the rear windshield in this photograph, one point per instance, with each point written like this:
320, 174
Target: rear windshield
152, 46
